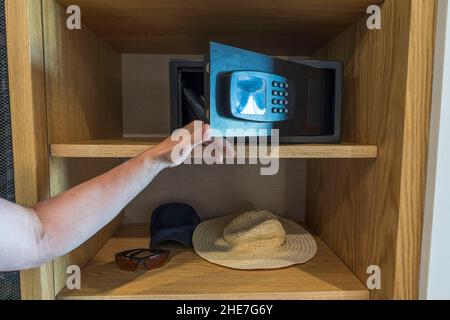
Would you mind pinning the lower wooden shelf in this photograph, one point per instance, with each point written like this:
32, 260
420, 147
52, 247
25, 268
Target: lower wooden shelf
187, 276
128, 148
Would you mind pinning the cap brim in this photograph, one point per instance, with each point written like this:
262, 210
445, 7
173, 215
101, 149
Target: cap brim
208, 242
182, 235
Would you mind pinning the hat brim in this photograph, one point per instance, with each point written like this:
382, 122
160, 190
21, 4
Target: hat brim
299, 247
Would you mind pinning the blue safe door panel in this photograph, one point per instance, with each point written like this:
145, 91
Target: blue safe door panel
225, 60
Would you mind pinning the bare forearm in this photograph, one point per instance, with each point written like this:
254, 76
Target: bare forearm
74, 216
32, 236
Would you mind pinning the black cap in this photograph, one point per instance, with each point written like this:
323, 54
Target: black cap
173, 222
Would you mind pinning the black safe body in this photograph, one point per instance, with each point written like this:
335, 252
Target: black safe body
318, 100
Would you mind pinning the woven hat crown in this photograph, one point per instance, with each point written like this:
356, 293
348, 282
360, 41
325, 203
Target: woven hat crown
255, 231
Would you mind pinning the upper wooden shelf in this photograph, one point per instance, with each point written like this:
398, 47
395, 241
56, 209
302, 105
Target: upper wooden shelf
288, 27
187, 276
128, 148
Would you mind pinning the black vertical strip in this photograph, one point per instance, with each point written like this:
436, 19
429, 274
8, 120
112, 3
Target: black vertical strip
9, 281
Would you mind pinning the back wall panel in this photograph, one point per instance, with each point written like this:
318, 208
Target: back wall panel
212, 190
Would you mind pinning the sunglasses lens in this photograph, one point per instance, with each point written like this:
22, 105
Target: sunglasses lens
156, 261
149, 259
126, 264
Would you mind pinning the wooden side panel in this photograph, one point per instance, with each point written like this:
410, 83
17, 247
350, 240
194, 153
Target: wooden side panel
83, 88
415, 148
83, 79
27, 94
363, 208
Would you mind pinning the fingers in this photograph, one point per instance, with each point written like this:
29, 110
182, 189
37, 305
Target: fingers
200, 132
190, 127
218, 150
206, 133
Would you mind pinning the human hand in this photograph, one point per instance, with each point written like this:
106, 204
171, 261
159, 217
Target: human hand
174, 150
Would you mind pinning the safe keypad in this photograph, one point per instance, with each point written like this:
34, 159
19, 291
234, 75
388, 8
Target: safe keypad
280, 97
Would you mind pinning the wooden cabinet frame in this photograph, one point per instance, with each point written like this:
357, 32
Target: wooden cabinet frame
374, 207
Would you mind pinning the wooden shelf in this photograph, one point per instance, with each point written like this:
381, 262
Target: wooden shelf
187, 276
290, 28
128, 148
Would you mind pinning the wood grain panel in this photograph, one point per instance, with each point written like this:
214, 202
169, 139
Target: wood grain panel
83, 81
286, 27
128, 148
83, 90
187, 276
27, 100
369, 212
415, 148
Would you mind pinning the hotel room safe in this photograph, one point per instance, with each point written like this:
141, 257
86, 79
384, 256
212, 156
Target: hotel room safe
244, 93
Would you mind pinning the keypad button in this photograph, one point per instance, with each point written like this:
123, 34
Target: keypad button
286, 102
275, 84
281, 94
275, 101
286, 94
275, 93
286, 85
274, 110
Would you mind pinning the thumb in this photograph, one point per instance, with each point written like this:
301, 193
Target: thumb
201, 134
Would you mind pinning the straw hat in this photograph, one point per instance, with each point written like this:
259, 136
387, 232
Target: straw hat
253, 240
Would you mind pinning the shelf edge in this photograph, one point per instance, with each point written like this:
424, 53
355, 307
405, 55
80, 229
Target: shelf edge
107, 150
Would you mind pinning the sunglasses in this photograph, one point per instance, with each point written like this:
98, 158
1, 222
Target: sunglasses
148, 258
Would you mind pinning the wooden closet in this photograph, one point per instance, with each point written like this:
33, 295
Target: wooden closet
364, 197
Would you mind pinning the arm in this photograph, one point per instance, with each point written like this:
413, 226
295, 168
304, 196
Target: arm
32, 236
